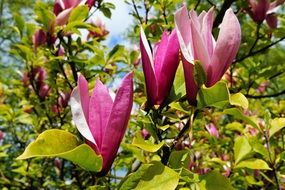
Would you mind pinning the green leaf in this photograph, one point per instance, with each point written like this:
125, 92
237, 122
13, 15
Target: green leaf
151, 177
44, 15
276, 125
179, 159
20, 22
242, 148
239, 115
106, 11
216, 96
239, 99
78, 14
59, 143
215, 181
178, 89
200, 76
133, 179
235, 126
255, 164
146, 145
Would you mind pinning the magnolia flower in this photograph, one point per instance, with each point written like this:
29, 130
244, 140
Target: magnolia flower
44, 91
159, 66
197, 43
212, 129
100, 120
63, 99
63, 8
100, 31
39, 38
261, 10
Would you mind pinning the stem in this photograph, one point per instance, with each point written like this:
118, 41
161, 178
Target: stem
258, 51
137, 12
271, 160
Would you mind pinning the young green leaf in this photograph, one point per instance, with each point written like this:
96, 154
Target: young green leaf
59, 143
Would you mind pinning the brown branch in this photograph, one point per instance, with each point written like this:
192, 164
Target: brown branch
266, 96
259, 51
220, 16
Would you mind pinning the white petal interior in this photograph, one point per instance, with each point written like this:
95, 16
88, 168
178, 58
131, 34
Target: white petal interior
78, 116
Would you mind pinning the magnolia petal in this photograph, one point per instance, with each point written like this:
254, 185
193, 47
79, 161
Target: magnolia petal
148, 69
84, 95
78, 116
169, 67
272, 20
226, 48
99, 111
274, 5
191, 87
62, 17
117, 122
159, 54
58, 7
207, 24
259, 9
200, 51
182, 25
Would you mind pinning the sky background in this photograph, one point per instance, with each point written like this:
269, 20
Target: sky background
118, 23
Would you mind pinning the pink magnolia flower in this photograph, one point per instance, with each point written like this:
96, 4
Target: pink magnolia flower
100, 31
145, 134
262, 87
197, 43
261, 10
159, 66
63, 99
100, 120
212, 129
63, 8
2, 134
39, 38
44, 91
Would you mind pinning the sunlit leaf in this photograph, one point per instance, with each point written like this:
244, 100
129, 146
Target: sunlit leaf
146, 145
65, 145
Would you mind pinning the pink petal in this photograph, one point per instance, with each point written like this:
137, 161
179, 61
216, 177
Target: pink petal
62, 17
191, 87
226, 48
168, 68
99, 111
78, 115
71, 3
84, 95
259, 9
148, 69
200, 51
58, 7
207, 24
274, 5
160, 54
183, 29
117, 122
272, 20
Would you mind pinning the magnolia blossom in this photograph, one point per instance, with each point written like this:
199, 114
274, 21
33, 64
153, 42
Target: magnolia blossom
212, 129
159, 66
39, 38
100, 120
197, 43
63, 8
100, 31
261, 10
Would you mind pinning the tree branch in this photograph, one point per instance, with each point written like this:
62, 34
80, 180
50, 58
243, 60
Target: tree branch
220, 16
